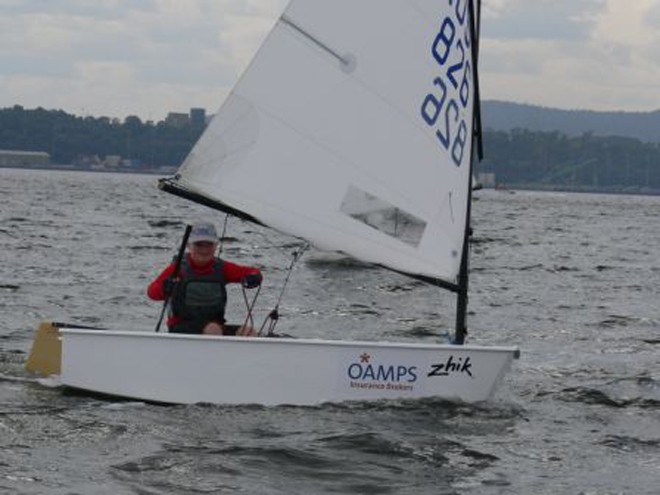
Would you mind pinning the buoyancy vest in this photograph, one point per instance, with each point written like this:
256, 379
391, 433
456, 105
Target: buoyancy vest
198, 299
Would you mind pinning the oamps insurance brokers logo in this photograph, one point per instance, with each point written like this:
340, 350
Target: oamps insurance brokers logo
366, 373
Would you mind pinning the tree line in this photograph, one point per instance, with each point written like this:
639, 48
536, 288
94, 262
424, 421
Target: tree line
587, 162
518, 158
68, 139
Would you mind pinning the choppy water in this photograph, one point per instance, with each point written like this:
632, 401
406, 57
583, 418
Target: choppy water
572, 279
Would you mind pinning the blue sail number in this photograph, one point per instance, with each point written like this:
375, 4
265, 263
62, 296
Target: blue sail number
439, 109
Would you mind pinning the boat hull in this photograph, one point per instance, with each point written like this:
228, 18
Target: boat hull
186, 369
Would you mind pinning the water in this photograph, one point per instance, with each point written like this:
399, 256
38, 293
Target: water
571, 279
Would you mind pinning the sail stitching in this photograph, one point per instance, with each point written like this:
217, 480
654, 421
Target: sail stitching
333, 152
209, 145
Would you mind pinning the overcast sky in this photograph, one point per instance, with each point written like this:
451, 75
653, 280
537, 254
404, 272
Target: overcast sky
149, 57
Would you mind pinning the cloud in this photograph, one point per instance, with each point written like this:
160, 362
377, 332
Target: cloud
540, 19
148, 57
597, 54
141, 57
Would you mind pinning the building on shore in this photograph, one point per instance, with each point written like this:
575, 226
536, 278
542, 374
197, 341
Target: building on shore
196, 118
17, 158
178, 120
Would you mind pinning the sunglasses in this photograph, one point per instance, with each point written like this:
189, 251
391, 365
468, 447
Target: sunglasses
203, 244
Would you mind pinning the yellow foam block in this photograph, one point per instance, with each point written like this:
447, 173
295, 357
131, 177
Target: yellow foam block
46, 354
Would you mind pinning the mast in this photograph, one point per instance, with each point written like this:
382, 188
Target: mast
476, 145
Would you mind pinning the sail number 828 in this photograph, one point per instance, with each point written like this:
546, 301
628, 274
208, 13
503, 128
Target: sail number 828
440, 109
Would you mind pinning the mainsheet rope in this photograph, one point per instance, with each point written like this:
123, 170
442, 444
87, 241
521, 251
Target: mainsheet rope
272, 317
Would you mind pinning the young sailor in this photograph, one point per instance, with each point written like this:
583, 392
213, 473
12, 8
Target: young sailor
198, 296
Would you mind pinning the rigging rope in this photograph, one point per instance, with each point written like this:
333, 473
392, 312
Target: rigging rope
274, 315
224, 231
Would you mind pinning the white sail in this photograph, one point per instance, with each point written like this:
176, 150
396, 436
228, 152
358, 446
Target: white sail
351, 128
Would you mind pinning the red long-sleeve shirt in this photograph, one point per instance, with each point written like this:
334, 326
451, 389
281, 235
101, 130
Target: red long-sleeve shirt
232, 272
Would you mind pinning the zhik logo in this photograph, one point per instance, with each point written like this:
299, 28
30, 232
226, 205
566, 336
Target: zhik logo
452, 365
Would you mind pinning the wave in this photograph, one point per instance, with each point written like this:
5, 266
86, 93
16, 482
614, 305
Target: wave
594, 396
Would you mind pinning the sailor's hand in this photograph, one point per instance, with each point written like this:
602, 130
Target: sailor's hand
168, 286
251, 281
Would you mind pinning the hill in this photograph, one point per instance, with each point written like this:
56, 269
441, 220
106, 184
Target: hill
506, 116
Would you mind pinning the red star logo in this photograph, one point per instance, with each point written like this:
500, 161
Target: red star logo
364, 357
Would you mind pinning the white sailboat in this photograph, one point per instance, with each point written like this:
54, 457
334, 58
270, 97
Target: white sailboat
353, 128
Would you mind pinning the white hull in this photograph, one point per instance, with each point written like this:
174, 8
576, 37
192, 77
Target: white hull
187, 369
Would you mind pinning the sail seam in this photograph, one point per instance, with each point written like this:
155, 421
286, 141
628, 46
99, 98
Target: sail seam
310, 138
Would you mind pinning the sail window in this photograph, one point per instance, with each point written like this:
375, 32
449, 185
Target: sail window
383, 216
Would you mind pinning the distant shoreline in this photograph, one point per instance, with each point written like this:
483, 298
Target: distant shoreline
621, 190
509, 188
165, 171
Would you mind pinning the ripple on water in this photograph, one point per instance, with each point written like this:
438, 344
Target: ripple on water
632, 444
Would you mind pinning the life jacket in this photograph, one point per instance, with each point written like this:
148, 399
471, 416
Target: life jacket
198, 299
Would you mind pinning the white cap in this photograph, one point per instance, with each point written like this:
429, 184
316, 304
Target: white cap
203, 232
